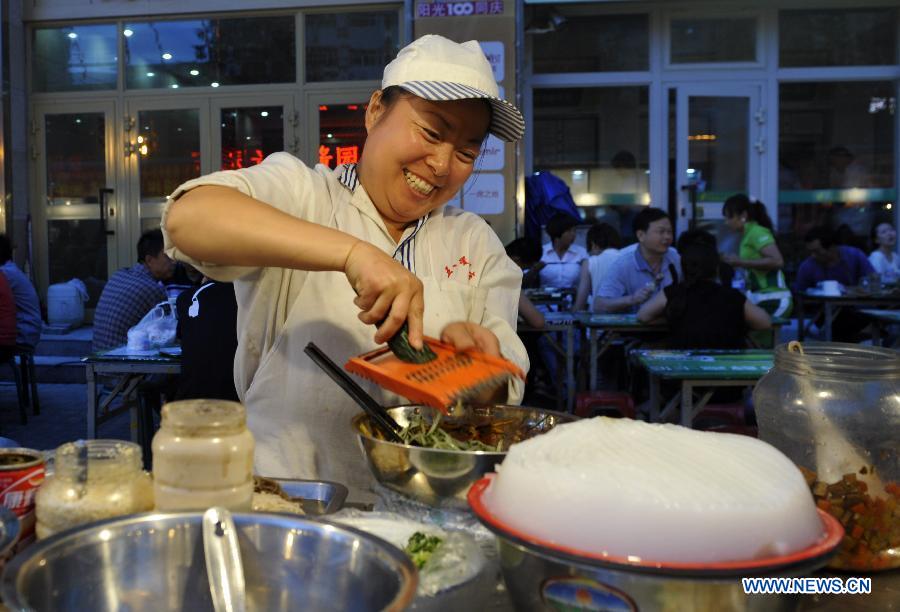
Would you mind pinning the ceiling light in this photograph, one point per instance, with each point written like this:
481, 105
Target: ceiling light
264, 114
72, 35
127, 32
214, 84
167, 56
195, 72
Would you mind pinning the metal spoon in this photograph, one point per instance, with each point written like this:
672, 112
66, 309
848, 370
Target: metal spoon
223, 561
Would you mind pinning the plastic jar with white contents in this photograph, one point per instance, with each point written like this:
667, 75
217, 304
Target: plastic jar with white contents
92, 480
203, 456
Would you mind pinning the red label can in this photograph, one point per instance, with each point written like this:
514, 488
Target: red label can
21, 473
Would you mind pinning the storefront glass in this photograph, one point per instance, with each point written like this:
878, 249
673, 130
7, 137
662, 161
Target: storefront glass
250, 134
209, 52
350, 46
710, 40
568, 38
342, 133
595, 139
844, 37
76, 157
836, 160
168, 143
74, 58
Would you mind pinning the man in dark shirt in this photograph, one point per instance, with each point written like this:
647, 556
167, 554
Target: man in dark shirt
131, 292
845, 264
830, 261
207, 327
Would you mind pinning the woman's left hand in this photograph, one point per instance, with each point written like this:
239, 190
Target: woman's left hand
464, 335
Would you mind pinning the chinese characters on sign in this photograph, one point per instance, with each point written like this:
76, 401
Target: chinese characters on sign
459, 9
232, 159
342, 155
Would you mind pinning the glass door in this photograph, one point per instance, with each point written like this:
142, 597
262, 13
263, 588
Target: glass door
719, 149
166, 143
79, 226
336, 126
248, 129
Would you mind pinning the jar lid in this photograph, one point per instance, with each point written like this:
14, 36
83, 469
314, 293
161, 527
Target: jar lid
838, 359
204, 416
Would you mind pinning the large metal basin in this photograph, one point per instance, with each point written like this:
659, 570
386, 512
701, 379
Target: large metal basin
156, 562
543, 576
441, 478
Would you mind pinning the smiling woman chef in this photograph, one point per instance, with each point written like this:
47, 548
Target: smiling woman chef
322, 255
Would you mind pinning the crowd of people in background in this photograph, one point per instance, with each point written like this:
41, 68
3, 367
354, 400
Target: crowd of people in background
708, 298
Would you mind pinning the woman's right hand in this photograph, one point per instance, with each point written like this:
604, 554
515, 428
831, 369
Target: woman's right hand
385, 291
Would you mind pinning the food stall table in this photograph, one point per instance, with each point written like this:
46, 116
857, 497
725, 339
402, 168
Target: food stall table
603, 330
130, 367
564, 323
832, 305
561, 298
882, 318
699, 369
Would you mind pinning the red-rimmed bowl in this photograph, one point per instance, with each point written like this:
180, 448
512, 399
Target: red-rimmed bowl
542, 575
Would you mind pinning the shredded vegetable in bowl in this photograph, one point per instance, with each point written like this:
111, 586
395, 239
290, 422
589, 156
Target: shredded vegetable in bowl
420, 432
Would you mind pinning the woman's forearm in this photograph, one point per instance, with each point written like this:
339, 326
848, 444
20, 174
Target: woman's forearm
765, 264
223, 226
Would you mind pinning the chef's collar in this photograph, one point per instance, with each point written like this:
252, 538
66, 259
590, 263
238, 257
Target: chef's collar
404, 253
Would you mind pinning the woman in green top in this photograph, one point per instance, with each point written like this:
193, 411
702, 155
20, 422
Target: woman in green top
758, 255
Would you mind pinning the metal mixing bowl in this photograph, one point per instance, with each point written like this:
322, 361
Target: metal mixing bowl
542, 576
441, 478
156, 562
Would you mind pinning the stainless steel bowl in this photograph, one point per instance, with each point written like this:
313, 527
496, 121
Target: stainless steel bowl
441, 478
546, 577
156, 562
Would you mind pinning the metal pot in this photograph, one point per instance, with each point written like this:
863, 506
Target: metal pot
156, 562
543, 576
441, 478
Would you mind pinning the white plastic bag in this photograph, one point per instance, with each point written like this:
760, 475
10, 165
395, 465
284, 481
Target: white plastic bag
155, 330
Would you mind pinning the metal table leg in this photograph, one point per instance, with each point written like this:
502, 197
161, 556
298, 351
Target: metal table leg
91, 377
570, 368
654, 398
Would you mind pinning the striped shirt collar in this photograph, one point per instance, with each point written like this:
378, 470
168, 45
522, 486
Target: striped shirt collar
405, 251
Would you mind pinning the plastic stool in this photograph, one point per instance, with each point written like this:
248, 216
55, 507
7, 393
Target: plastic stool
604, 403
713, 415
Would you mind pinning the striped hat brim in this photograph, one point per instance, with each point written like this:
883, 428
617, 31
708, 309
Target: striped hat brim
507, 123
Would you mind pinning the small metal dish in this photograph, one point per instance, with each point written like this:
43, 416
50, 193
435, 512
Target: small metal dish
316, 497
441, 478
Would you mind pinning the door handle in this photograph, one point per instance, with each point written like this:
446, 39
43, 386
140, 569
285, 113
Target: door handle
101, 197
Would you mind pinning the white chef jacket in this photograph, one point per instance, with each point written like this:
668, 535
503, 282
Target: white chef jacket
299, 417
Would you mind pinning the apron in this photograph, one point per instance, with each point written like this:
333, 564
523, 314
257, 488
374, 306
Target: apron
299, 417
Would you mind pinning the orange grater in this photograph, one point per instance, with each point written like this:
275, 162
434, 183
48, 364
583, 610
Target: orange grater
453, 376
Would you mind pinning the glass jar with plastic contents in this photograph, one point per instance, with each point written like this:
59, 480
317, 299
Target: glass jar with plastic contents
203, 456
92, 480
834, 410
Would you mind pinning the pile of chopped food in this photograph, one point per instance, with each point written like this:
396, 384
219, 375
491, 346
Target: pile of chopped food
421, 546
268, 496
871, 520
487, 437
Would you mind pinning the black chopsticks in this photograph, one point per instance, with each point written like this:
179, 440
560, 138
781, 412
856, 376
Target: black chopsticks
376, 411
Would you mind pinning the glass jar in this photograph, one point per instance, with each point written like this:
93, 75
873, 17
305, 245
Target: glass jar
92, 480
203, 456
834, 409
